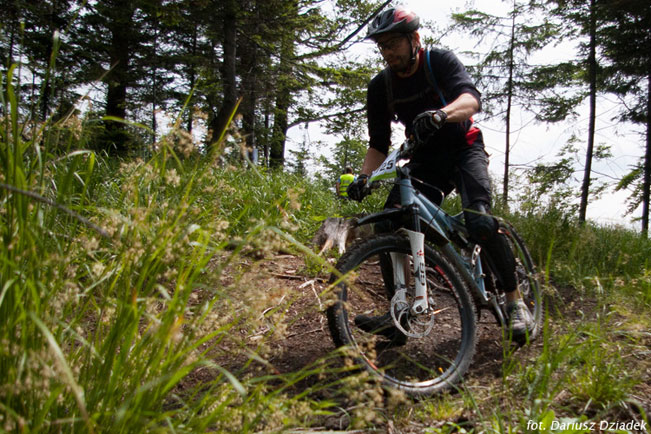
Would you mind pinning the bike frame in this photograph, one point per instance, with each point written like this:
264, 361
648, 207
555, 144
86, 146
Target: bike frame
440, 227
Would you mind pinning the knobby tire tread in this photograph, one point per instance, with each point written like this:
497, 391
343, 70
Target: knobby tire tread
338, 316
530, 268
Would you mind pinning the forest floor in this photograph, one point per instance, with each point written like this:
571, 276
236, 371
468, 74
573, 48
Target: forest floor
306, 340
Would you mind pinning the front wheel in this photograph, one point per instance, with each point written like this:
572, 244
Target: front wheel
440, 354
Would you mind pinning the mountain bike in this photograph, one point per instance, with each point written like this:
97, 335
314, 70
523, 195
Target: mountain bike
431, 283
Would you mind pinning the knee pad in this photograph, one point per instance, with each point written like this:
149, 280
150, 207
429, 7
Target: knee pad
481, 226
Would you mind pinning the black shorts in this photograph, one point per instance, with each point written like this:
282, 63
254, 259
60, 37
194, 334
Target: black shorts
463, 167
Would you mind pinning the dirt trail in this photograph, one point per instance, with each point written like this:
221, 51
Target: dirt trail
307, 340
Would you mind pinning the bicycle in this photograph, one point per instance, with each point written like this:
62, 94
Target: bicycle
432, 281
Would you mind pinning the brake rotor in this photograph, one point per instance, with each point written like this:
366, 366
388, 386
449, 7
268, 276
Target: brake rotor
414, 326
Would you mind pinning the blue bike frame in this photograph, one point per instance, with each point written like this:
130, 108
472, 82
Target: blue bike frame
440, 228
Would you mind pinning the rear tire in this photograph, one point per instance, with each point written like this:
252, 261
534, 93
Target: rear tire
426, 364
527, 279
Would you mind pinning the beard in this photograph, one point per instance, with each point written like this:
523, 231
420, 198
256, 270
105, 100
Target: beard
399, 63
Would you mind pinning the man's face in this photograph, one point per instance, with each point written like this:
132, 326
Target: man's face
395, 50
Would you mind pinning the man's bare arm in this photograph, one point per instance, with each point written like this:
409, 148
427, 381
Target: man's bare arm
462, 108
372, 161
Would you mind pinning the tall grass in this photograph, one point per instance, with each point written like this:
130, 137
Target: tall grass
119, 291
589, 364
125, 307
589, 257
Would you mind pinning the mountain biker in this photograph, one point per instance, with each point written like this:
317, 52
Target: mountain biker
433, 96
344, 181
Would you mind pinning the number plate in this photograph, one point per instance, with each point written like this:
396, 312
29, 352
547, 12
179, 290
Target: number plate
387, 169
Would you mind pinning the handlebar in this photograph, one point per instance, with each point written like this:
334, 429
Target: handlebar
409, 146
405, 152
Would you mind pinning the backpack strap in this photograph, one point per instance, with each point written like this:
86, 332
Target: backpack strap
391, 103
432, 79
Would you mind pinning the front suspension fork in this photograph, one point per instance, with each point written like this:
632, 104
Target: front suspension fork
401, 264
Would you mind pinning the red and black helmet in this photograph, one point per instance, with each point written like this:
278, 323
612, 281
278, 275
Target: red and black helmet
393, 20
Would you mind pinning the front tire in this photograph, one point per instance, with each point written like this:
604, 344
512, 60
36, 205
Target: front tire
426, 364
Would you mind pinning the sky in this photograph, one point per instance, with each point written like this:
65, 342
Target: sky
530, 142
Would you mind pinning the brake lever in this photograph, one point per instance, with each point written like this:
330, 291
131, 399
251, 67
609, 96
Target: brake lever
408, 150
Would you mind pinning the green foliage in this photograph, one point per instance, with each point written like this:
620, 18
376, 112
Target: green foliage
108, 298
583, 255
505, 73
123, 290
549, 187
347, 153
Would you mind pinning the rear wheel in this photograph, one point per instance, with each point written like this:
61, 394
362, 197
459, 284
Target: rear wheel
527, 279
442, 341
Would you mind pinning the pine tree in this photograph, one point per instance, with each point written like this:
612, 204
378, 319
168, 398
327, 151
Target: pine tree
107, 42
32, 33
504, 73
584, 17
626, 42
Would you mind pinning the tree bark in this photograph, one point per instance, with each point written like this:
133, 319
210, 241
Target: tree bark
646, 186
279, 133
228, 70
283, 102
117, 79
192, 79
284, 89
592, 72
250, 87
509, 90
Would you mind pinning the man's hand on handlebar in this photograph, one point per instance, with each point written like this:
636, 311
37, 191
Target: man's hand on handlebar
358, 189
427, 122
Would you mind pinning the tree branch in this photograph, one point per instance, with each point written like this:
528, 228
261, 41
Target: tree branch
328, 116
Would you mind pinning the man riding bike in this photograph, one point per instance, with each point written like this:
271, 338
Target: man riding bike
432, 95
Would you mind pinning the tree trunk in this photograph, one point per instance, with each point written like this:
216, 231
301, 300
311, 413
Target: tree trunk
118, 77
646, 186
46, 89
283, 97
250, 88
228, 70
154, 77
509, 90
592, 72
279, 133
192, 79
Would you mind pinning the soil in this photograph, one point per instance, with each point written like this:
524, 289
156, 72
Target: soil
307, 338
307, 341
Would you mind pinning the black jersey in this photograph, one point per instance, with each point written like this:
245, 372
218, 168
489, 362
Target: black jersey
408, 97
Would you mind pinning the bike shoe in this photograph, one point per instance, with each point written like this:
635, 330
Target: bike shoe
382, 325
521, 321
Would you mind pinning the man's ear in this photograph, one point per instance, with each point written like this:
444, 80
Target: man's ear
416, 39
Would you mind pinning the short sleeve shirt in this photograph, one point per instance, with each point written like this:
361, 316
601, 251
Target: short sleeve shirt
415, 94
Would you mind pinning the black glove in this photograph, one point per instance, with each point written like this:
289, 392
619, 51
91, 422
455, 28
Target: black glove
427, 122
356, 190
